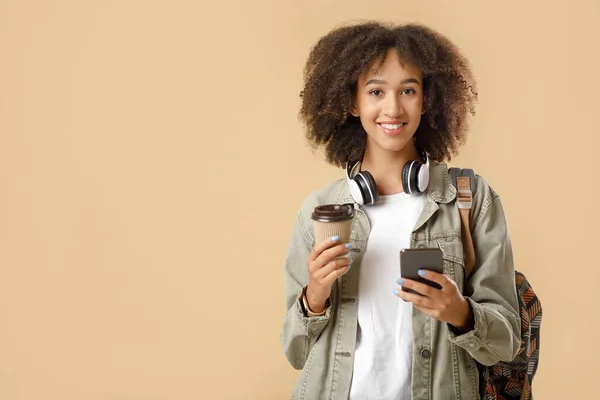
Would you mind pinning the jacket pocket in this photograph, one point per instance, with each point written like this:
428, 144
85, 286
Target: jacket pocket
454, 264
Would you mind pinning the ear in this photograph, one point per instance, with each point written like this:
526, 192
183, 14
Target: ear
423, 106
354, 111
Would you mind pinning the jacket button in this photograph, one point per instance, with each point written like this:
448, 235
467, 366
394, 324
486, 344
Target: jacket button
356, 250
421, 246
425, 353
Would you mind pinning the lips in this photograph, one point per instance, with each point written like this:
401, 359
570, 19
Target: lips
392, 129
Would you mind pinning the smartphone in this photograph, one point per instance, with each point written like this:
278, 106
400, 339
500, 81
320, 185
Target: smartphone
412, 260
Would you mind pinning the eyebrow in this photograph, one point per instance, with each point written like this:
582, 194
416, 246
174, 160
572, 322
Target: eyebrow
384, 82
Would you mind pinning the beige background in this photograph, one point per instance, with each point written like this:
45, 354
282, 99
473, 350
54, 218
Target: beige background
151, 164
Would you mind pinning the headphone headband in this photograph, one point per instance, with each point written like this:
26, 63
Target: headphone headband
363, 188
350, 171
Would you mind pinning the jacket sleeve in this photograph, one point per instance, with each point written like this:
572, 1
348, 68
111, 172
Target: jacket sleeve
299, 333
491, 289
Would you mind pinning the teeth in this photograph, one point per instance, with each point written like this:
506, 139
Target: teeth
392, 126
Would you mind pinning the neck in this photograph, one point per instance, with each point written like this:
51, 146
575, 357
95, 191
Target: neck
386, 166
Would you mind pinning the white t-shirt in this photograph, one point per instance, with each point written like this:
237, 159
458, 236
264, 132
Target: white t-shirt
383, 355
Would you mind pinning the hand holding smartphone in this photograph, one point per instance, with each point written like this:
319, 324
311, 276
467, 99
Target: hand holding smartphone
412, 260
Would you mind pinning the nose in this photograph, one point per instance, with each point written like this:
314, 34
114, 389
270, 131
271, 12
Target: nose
393, 107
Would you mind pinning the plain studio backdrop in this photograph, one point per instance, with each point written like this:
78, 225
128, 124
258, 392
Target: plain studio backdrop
152, 162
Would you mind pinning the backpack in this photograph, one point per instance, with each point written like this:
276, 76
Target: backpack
504, 380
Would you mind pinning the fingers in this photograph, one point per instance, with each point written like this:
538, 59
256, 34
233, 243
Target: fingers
419, 287
417, 300
332, 253
333, 265
320, 247
336, 274
325, 252
440, 279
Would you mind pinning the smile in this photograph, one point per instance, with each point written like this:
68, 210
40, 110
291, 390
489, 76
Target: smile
392, 129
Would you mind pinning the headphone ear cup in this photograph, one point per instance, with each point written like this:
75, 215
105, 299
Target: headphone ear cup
410, 177
368, 187
423, 178
355, 191
406, 177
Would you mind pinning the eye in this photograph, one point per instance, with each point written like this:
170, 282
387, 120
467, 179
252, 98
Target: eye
409, 91
376, 92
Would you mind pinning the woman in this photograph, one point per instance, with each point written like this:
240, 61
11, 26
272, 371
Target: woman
376, 99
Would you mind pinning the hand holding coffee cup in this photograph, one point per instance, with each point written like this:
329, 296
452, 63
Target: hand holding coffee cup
327, 261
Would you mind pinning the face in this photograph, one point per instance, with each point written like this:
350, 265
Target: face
389, 102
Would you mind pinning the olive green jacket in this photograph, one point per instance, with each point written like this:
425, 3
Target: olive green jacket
443, 362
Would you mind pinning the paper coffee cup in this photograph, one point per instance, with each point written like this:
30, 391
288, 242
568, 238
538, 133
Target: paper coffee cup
333, 220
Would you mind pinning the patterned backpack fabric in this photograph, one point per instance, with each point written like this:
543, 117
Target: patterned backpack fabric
504, 380
512, 380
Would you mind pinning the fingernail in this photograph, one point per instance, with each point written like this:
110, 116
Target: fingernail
422, 272
348, 245
350, 260
396, 292
335, 238
400, 281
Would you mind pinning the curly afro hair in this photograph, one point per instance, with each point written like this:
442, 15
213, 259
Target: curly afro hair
331, 74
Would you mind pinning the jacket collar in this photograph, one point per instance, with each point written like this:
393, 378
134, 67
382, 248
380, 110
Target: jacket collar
440, 186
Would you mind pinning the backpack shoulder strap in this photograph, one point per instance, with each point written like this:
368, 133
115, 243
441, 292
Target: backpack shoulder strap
463, 172
464, 181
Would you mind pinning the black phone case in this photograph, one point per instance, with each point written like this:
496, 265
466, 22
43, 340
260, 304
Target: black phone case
412, 260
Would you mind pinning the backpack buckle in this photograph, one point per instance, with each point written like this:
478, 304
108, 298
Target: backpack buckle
465, 196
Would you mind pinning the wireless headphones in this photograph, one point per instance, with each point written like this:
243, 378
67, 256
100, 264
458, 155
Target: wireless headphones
415, 178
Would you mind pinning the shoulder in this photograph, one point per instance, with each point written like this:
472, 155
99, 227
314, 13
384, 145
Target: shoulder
485, 198
484, 192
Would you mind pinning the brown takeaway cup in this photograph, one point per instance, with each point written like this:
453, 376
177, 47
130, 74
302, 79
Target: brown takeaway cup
333, 220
